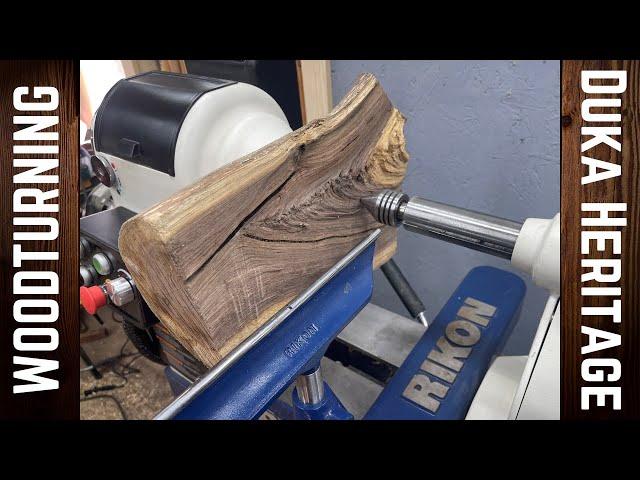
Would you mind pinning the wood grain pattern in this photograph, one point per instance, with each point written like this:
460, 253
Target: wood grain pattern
136, 67
621, 189
62, 403
175, 66
219, 258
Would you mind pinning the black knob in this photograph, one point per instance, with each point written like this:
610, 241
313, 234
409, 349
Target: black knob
103, 171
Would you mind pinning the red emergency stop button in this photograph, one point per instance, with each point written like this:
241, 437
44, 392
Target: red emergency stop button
92, 298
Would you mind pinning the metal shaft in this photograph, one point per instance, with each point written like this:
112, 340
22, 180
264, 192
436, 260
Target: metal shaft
486, 233
310, 387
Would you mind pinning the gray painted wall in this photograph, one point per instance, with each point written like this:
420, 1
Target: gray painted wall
483, 135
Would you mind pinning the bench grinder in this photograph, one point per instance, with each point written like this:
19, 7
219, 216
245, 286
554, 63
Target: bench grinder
154, 134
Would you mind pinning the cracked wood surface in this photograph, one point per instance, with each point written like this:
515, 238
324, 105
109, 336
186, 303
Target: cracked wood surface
219, 258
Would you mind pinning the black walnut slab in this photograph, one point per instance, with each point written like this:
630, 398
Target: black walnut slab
219, 258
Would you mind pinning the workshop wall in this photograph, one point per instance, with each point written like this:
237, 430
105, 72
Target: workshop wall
482, 135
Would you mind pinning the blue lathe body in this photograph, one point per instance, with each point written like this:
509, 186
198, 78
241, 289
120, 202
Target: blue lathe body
437, 380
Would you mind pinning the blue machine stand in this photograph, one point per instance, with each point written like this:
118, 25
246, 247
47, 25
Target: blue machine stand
313, 399
438, 379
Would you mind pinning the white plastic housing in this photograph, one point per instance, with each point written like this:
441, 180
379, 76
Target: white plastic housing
537, 252
222, 126
524, 387
529, 387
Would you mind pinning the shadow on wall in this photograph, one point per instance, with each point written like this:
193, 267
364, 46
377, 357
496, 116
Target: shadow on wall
483, 135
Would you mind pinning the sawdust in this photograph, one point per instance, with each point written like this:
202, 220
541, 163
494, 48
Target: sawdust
145, 393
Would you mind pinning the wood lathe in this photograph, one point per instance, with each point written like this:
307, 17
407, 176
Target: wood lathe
240, 255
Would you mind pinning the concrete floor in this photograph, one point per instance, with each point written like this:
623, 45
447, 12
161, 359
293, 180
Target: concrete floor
144, 394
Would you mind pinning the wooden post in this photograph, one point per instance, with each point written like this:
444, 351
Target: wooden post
219, 258
314, 84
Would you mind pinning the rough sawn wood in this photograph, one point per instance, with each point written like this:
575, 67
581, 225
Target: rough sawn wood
219, 258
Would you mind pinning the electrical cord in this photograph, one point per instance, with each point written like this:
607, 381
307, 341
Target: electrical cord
126, 370
124, 345
115, 358
128, 366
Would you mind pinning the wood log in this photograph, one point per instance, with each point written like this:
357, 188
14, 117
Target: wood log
219, 258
